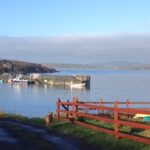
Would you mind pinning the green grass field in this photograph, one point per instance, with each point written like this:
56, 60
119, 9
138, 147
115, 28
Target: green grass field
98, 140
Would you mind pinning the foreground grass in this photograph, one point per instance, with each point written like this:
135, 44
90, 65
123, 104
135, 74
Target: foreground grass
98, 140
24, 119
103, 141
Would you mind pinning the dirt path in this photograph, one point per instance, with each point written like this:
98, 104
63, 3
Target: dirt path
6, 140
59, 142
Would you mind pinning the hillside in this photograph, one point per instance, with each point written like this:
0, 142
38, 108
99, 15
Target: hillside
114, 65
14, 66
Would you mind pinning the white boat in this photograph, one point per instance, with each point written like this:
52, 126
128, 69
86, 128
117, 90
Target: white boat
20, 81
77, 85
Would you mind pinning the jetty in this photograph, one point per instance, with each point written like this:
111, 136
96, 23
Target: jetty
73, 81
77, 81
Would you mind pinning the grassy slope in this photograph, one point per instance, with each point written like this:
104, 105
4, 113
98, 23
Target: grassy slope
99, 140
103, 141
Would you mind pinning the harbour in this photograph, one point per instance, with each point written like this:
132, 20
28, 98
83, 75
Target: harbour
36, 100
74, 81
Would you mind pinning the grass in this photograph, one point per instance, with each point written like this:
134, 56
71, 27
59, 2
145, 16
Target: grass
99, 140
17, 117
103, 141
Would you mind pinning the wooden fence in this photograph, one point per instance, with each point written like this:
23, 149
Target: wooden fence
115, 113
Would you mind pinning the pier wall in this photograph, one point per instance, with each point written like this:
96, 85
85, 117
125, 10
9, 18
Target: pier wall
63, 80
54, 80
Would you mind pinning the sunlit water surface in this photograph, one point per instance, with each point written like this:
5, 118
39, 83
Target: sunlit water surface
35, 101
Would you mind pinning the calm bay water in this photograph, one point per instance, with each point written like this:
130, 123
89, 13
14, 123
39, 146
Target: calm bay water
36, 101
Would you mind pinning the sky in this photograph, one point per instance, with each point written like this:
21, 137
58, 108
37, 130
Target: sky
75, 31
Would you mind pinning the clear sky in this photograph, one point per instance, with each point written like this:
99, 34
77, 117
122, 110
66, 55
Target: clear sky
57, 17
55, 28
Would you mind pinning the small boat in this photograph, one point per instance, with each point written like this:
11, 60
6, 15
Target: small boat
141, 116
77, 85
19, 80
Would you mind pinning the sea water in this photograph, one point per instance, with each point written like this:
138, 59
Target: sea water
36, 100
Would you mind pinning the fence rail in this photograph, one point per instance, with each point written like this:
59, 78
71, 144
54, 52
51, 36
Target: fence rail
111, 114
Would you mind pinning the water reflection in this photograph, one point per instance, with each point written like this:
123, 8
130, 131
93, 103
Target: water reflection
17, 88
36, 100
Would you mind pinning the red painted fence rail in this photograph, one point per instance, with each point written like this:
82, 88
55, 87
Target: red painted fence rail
75, 109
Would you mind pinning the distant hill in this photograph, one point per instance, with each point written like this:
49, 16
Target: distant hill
14, 66
114, 65
122, 65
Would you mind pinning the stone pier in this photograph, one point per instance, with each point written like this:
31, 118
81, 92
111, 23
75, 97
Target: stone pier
62, 80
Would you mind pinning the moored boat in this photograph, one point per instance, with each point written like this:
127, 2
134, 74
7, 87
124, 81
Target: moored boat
77, 85
19, 80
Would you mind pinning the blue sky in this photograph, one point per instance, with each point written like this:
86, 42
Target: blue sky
76, 31
57, 17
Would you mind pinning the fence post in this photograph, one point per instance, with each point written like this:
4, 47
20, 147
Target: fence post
101, 105
74, 106
127, 107
116, 119
58, 110
67, 109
